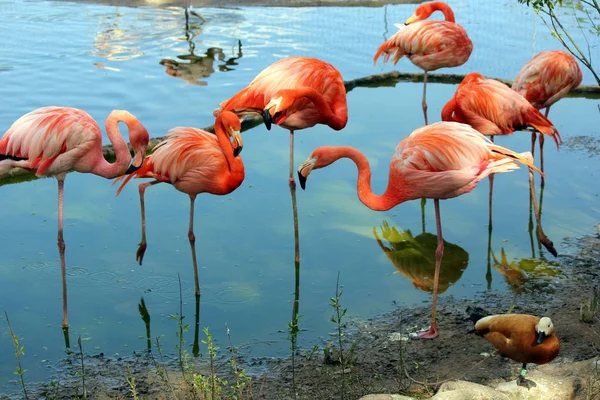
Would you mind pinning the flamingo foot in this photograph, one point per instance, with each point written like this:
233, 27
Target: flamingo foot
139, 255
430, 333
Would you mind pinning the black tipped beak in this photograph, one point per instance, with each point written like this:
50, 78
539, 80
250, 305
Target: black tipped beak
302, 180
540, 337
132, 168
267, 119
237, 151
405, 24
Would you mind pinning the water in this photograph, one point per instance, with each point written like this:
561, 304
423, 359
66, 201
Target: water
99, 58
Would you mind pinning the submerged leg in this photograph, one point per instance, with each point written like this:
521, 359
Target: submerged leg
424, 102
192, 239
139, 255
431, 333
61, 250
540, 231
294, 203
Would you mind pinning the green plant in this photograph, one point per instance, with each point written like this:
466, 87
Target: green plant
131, 382
243, 383
587, 311
583, 10
337, 318
19, 351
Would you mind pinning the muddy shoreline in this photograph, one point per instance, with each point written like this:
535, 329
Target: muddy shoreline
381, 361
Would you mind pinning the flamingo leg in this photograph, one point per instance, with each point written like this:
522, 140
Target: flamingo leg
139, 255
424, 102
432, 333
61, 250
423, 202
542, 150
294, 202
192, 239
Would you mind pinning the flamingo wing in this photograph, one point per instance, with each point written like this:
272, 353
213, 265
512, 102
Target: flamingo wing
53, 139
191, 160
430, 45
446, 159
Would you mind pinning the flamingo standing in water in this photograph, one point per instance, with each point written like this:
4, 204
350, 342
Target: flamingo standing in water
52, 141
193, 161
544, 80
493, 108
294, 93
429, 44
437, 161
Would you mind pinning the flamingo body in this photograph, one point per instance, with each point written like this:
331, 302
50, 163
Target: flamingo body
492, 108
55, 140
51, 141
429, 44
548, 77
438, 161
292, 74
193, 161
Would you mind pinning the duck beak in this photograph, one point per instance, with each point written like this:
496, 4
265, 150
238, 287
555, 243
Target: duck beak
411, 20
238, 144
267, 119
540, 337
137, 162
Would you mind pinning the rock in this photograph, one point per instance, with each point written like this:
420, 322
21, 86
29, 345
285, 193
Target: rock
386, 397
462, 390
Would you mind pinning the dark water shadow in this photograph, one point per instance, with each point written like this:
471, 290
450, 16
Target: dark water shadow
414, 257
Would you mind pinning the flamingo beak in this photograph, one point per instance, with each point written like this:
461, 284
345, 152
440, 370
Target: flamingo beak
267, 119
304, 170
138, 161
238, 144
412, 19
540, 337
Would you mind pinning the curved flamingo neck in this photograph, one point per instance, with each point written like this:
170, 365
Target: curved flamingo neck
393, 195
235, 164
430, 8
122, 155
335, 119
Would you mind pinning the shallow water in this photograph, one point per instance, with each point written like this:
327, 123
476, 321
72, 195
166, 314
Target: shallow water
99, 58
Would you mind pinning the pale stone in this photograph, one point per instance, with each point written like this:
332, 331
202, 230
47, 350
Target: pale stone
462, 390
386, 397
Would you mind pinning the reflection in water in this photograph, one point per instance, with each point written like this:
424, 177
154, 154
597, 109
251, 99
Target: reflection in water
196, 345
524, 274
146, 318
198, 67
115, 43
414, 257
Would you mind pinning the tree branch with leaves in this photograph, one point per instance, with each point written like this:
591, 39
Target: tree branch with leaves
583, 10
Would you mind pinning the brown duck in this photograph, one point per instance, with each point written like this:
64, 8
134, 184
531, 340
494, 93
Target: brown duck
520, 337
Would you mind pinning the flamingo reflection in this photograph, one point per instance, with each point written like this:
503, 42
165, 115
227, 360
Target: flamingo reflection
414, 257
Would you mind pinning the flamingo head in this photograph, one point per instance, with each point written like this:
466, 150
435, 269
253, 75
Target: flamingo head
230, 123
319, 158
278, 108
544, 328
139, 138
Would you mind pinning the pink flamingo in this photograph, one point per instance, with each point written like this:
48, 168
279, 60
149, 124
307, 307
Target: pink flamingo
294, 93
544, 80
430, 44
437, 161
52, 141
193, 161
